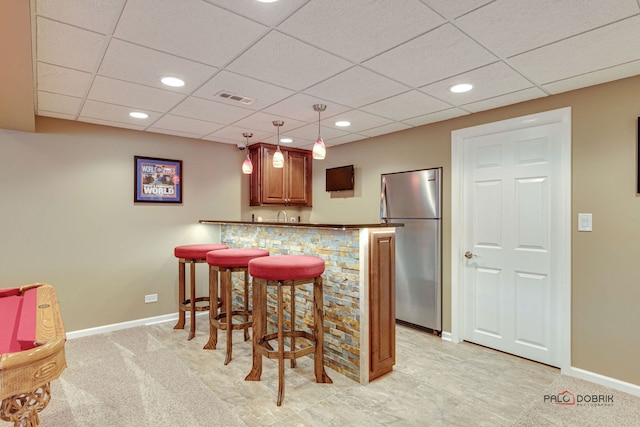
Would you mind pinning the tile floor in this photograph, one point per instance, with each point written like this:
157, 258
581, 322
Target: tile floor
434, 383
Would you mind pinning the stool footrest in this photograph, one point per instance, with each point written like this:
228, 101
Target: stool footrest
265, 348
216, 320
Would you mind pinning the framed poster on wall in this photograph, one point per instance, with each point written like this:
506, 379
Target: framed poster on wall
157, 180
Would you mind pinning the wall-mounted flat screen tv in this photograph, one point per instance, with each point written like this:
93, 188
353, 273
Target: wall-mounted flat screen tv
340, 178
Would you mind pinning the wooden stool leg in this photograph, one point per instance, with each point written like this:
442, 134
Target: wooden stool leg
293, 324
225, 285
280, 345
318, 332
213, 308
245, 317
259, 302
192, 299
181, 297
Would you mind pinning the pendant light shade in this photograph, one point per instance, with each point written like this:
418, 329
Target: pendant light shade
278, 158
247, 166
319, 149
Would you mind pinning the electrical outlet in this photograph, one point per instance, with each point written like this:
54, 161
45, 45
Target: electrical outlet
150, 298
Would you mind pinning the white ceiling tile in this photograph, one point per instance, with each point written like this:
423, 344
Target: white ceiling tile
133, 95
436, 117
68, 46
355, 87
64, 81
382, 130
489, 81
341, 140
212, 111
96, 15
596, 77
266, 13
126, 61
406, 105
300, 107
58, 103
611, 45
352, 29
360, 121
112, 124
287, 62
523, 25
115, 113
185, 125
263, 122
175, 133
310, 133
56, 115
191, 29
262, 93
234, 134
436, 55
453, 9
507, 99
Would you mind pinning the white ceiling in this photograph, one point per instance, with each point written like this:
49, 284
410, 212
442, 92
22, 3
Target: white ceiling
383, 65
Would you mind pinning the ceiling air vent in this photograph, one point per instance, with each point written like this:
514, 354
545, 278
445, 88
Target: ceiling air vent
232, 96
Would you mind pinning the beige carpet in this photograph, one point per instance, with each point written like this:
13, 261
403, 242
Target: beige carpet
585, 404
129, 378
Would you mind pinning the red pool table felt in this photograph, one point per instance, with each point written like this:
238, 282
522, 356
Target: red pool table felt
17, 320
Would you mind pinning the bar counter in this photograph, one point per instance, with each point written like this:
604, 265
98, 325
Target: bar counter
357, 273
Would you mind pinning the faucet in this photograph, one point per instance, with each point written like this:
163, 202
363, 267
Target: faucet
278, 217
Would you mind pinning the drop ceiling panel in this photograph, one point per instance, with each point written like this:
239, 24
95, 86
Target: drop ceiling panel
454, 9
233, 135
406, 105
356, 87
612, 45
436, 55
133, 63
198, 128
112, 124
97, 15
506, 99
382, 130
360, 120
58, 103
266, 13
263, 94
526, 24
309, 133
191, 29
287, 62
264, 122
613, 73
133, 95
61, 80
439, 116
352, 29
67, 46
488, 81
300, 107
212, 111
114, 113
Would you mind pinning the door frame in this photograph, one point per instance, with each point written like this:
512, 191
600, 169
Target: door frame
562, 116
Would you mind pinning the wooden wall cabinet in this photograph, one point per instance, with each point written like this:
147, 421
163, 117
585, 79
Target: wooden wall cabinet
289, 186
382, 303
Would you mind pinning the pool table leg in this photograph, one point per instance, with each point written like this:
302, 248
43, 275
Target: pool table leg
22, 409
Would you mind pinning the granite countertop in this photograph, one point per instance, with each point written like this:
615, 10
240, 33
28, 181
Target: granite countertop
302, 224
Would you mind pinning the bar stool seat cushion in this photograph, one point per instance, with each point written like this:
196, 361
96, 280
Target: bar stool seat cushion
196, 251
234, 257
286, 267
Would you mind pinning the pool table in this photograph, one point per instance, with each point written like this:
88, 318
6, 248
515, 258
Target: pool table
32, 343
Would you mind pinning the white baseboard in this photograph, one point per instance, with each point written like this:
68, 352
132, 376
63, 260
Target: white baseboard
131, 324
446, 336
613, 383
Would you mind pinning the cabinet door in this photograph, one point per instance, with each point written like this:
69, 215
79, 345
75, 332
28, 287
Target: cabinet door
382, 315
255, 183
298, 179
274, 182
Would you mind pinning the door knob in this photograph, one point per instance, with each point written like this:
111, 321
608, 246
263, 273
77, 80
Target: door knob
469, 255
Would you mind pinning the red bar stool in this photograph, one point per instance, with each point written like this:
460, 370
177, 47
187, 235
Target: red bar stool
192, 255
286, 271
226, 262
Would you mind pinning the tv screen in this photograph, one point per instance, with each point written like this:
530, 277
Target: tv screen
340, 178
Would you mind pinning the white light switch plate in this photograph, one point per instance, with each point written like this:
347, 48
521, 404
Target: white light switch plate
585, 222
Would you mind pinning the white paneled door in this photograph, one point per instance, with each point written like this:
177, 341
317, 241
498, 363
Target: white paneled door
511, 215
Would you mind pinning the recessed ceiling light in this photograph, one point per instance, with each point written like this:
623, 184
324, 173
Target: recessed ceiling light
286, 140
460, 88
343, 123
138, 115
267, 1
172, 81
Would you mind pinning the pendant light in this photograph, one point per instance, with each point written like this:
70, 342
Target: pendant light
278, 158
319, 149
247, 166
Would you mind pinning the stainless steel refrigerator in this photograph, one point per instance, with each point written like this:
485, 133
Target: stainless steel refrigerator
414, 198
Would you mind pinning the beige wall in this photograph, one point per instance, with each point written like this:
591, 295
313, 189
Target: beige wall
68, 217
